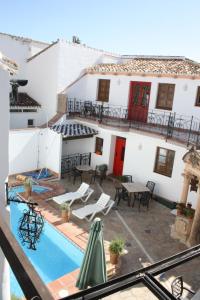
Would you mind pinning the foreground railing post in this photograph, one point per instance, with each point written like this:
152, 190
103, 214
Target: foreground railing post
89, 158
197, 139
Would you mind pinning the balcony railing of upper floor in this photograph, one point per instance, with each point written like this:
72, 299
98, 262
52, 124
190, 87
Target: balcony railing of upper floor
183, 128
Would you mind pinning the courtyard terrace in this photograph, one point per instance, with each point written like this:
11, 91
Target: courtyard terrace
146, 233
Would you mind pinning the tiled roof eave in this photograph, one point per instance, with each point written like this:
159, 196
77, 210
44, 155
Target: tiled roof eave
144, 74
26, 107
70, 137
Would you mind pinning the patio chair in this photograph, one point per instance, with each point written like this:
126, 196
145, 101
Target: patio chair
83, 193
127, 178
120, 191
88, 212
151, 186
143, 199
177, 288
99, 172
74, 174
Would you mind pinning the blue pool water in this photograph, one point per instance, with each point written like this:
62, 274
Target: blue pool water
19, 189
55, 255
40, 174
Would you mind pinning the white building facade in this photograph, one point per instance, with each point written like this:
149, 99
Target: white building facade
145, 108
7, 67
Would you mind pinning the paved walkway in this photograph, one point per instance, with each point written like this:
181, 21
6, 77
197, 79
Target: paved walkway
147, 236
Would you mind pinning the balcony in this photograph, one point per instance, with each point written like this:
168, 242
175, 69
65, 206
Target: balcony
182, 128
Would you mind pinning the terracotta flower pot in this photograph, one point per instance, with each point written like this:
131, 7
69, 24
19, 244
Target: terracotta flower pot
65, 215
114, 258
179, 212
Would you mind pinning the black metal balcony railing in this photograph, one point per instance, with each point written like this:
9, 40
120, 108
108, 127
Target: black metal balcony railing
185, 129
69, 162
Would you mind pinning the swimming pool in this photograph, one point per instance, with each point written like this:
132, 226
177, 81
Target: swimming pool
20, 189
39, 174
55, 255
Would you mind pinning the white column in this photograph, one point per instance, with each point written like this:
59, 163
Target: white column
185, 189
195, 230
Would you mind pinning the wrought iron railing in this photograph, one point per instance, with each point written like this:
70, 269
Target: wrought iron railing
185, 129
69, 162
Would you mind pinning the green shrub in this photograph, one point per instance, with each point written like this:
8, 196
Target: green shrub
117, 246
65, 206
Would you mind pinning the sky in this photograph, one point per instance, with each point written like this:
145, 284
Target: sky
148, 27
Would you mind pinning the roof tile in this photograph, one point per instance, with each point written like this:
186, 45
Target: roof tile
157, 66
25, 100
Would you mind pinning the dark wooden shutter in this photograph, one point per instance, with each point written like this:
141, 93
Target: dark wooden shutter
103, 90
198, 97
164, 161
165, 96
99, 146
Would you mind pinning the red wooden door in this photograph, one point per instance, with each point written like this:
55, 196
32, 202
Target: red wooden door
119, 156
139, 101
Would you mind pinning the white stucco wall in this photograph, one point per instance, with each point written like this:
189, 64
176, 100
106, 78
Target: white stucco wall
35, 148
36, 47
50, 150
74, 58
78, 146
42, 74
139, 160
23, 150
19, 49
20, 119
184, 96
16, 50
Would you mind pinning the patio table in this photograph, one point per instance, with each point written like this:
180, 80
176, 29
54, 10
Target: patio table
84, 168
134, 187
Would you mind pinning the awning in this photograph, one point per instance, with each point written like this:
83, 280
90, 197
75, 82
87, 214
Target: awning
73, 130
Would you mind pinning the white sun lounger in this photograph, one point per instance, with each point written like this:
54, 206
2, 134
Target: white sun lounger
83, 193
103, 205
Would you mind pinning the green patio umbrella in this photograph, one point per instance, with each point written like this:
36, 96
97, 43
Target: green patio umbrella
93, 268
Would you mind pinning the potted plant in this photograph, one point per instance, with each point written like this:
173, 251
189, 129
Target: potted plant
189, 212
65, 212
116, 248
28, 187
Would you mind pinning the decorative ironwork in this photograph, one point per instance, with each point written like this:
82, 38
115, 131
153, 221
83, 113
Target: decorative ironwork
194, 159
30, 224
185, 129
30, 227
69, 162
